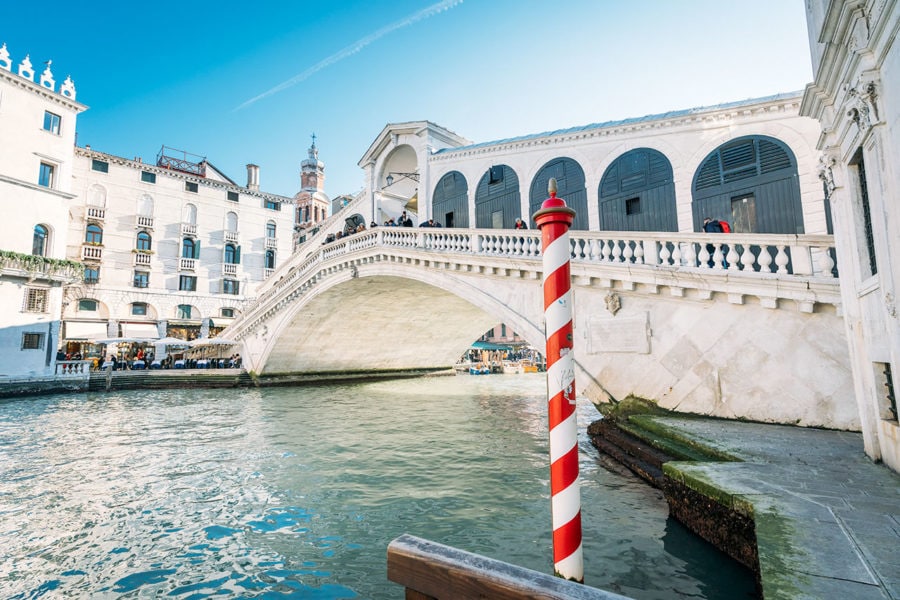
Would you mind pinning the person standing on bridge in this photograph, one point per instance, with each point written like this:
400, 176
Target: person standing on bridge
711, 225
520, 224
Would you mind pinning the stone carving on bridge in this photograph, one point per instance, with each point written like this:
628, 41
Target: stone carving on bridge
863, 110
826, 173
613, 303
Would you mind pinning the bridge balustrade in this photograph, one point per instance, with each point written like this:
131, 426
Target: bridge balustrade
754, 255
68, 368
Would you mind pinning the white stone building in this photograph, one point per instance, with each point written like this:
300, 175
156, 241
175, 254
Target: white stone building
37, 129
855, 97
170, 248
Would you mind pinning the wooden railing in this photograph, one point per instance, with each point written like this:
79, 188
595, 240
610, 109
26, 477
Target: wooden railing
432, 571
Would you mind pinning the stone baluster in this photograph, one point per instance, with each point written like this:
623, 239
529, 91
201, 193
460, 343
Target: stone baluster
781, 259
664, 254
764, 260
718, 257
747, 258
617, 251
627, 252
826, 263
638, 252
605, 250
676, 254
689, 255
733, 258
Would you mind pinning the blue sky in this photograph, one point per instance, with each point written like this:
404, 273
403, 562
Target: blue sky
249, 82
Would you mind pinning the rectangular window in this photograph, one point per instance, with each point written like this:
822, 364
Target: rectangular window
46, 175
141, 279
35, 300
85, 305
51, 122
633, 206
148, 177
230, 286
139, 309
272, 205
190, 186
32, 341
496, 175
233, 196
91, 275
101, 166
228, 312
868, 232
187, 283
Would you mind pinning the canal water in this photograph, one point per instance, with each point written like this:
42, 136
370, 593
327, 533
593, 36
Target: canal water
296, 493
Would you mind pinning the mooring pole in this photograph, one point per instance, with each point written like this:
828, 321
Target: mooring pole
554, 219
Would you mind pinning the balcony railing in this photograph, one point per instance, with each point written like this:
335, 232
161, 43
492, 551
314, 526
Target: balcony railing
187, 264
95, 213
231, 237
144, 222
229, 269
91, 252
267, 273
188, 229
141, 259
271, 243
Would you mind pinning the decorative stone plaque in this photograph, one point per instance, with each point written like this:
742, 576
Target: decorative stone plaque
630, 334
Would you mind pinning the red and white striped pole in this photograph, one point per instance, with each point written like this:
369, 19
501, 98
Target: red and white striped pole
554, 219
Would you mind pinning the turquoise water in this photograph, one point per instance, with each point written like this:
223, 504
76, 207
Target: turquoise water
296, 493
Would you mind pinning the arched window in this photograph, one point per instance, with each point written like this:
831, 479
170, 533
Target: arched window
231, 221
143, 241
93, 234
752, 183
232, 254
270, 229
637, 193
497, 199
39, 243
270, 259
450, 202
145, 206
188, 248
183, 311
189, 214
569, 185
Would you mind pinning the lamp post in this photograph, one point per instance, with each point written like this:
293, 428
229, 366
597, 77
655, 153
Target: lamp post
554, 219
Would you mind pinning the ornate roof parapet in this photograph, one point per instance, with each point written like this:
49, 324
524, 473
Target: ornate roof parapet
25, 70
5, 62
47, 80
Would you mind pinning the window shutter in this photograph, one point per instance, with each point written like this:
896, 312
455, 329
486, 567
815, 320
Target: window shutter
197, 249
237, 255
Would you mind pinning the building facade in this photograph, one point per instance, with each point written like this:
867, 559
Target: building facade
752, 163
854, 97
37, 126
172, 248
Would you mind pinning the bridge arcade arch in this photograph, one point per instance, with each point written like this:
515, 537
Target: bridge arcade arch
637, 193
570, 186
498, 202
450, 201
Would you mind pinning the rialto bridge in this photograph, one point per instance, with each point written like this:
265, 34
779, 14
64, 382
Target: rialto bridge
734, 325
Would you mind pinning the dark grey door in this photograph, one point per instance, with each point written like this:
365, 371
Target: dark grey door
637, 193
570, 187
498, 202
450, 202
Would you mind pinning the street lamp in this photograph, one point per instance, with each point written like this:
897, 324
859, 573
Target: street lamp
390, 177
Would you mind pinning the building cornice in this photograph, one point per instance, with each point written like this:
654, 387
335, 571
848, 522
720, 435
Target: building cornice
37, 188
785, 104
139, 165
43, 92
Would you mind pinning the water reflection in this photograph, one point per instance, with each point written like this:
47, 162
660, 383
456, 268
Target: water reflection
293, 492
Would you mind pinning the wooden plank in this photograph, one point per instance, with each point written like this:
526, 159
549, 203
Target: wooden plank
441, 572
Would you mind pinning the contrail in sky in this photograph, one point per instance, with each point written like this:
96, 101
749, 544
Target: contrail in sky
354, 48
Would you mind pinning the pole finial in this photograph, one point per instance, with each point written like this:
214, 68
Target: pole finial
551, 187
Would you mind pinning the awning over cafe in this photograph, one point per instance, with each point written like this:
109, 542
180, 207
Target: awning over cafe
84, 331
140, 330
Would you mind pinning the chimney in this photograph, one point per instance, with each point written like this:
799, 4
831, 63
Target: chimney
253, 177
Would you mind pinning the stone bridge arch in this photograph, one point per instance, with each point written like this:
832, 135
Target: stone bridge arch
428, 320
